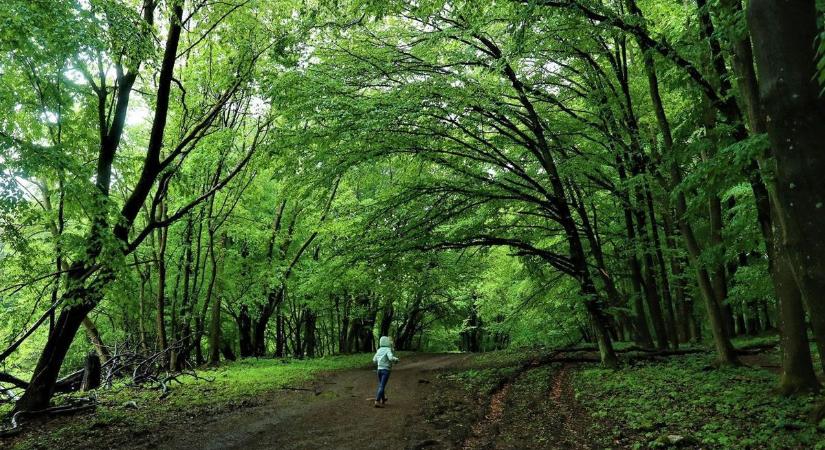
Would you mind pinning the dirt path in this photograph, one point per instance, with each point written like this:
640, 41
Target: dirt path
537, 409
338, 414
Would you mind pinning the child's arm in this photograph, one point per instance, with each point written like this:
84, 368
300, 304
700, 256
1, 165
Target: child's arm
391, 356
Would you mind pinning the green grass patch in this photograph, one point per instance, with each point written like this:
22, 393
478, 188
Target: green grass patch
731, 408
752, 341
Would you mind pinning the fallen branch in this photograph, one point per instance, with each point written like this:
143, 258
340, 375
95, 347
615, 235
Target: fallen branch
11, 379
17, 420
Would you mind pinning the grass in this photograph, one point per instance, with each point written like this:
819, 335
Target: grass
731, 408
231, 385
485, 371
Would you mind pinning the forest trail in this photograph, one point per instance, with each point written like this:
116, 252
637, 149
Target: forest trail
336, 412
536, 409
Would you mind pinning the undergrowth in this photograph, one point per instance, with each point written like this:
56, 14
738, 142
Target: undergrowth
731, 408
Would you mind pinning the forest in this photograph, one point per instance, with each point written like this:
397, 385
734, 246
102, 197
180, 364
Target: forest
603, 200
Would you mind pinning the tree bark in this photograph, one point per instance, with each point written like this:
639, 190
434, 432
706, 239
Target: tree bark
784, 36
725, 352
160, 300
91, 373
310, 332
797, 369
213, 298
245, 332
41, 387
280, 335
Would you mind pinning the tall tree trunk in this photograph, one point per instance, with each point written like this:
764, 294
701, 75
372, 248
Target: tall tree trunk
214, 299
642, 334
724, 349
245, 332
667, 299
784, 36
160, 300
298, 348
720, 279
310, 332
386, 319
181, 353
779, 268
280, 334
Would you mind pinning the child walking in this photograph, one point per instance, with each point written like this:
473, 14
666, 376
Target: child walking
385, 359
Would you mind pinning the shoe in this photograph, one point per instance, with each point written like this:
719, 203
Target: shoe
384, 401
376, 404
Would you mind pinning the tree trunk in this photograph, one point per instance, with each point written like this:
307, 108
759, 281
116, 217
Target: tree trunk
144, 279
797, 369
787, 292
214, 299
180, 355
667, 299
386, 319
160, 313
41, 386
91, 373
245, 332
97, 342
298, 348
785, 37
642, 335
724, 349
309, 333
280, 334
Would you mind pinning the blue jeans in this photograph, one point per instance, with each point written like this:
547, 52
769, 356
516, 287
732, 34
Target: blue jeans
383, 376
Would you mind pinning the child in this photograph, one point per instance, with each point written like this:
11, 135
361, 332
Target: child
385, 359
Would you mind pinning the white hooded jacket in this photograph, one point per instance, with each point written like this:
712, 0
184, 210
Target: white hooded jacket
384, 357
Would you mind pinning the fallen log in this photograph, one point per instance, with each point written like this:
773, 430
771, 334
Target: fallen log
70, 382
756, 348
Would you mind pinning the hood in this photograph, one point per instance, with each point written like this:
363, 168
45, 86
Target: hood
384, 342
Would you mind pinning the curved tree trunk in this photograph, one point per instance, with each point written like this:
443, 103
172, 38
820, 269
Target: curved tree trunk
41, 386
